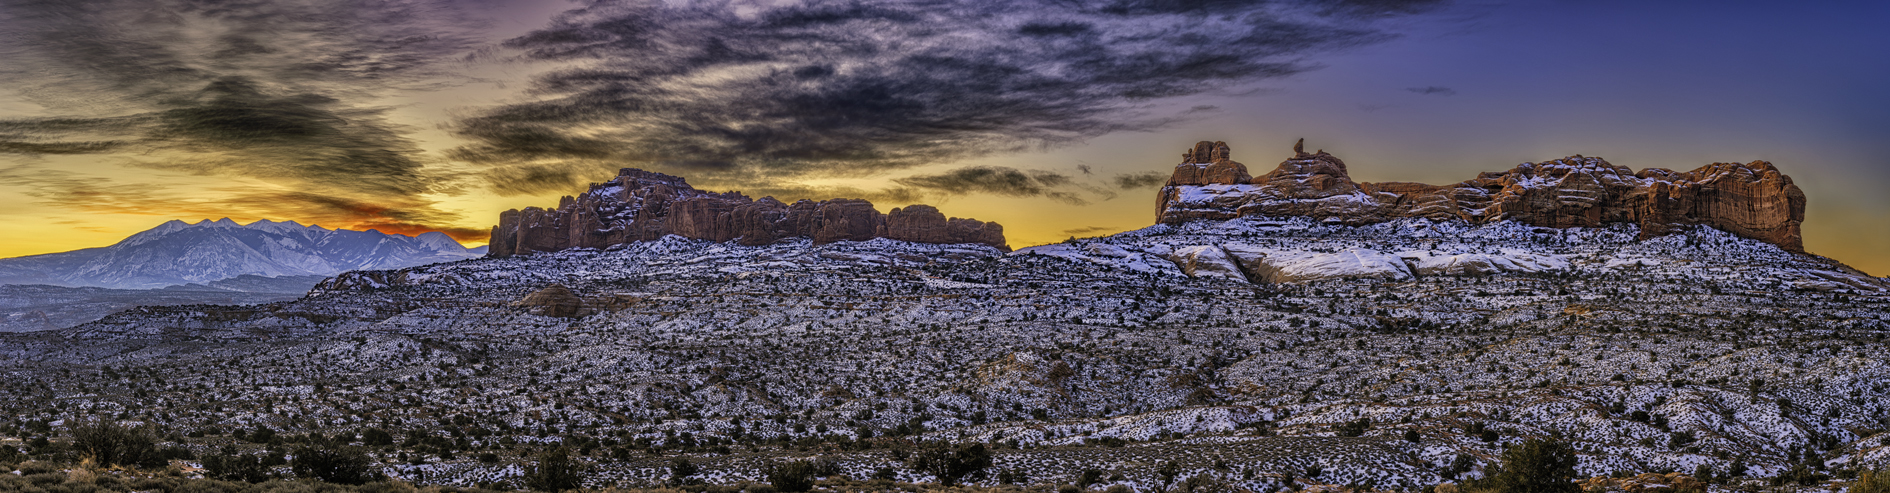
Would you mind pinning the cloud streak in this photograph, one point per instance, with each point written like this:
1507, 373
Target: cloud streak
997, 180
1430, 90
1137, 181
732, 91
1090, 231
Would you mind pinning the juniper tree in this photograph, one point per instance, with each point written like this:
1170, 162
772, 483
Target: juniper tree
332, 463
111, 444
1534, 466
792, 476
951, 464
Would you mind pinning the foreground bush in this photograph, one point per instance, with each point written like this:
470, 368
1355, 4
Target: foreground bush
950, 463
1872, 482
1534, 466
111, 444
792, 476
338, 464
555, 471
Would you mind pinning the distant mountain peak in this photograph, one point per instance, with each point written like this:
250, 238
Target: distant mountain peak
178, 252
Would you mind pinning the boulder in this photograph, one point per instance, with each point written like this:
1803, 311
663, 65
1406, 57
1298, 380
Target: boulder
553, 301
1284, 266
1206, 261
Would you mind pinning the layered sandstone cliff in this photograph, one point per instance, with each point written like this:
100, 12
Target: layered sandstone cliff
1752, 200
639, 205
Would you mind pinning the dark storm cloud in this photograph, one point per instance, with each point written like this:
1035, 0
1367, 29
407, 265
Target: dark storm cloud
997, 180
1428, 90
1134, 181
279, 91
822, 88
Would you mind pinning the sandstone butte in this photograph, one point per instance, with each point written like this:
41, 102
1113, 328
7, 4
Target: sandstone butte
640, 205
1752, 200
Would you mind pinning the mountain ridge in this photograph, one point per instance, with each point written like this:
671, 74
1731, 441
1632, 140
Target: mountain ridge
177, 253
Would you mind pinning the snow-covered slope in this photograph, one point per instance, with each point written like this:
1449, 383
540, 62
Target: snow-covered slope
1401, 354
177, 252
1300, 249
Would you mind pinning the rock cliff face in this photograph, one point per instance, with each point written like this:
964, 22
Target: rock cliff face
639, 205
1752, 200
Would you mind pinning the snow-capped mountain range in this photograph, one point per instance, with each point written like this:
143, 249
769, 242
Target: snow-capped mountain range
178, 252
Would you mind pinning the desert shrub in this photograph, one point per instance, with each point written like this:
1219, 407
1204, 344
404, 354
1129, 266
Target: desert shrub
1203, 483
952, 463
109, 443
38, 467
333, 464
1167, 472
792, 476
1872, 482
680, 470
262, 434
555, 471
230, 466
1355, 427
1534, 466
376, 437
45, 479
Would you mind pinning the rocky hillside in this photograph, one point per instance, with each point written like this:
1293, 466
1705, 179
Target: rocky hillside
639, 205
29, 307
1752, 200
1264, 353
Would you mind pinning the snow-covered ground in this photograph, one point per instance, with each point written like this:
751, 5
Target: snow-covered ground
1236, 348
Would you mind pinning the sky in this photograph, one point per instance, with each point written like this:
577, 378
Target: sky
1055, 118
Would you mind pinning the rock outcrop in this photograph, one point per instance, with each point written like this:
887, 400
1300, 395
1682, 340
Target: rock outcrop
1752, 200
553, 301
639, 205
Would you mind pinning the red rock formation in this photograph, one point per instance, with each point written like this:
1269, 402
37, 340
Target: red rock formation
925, 224
1752, 200
642, 206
